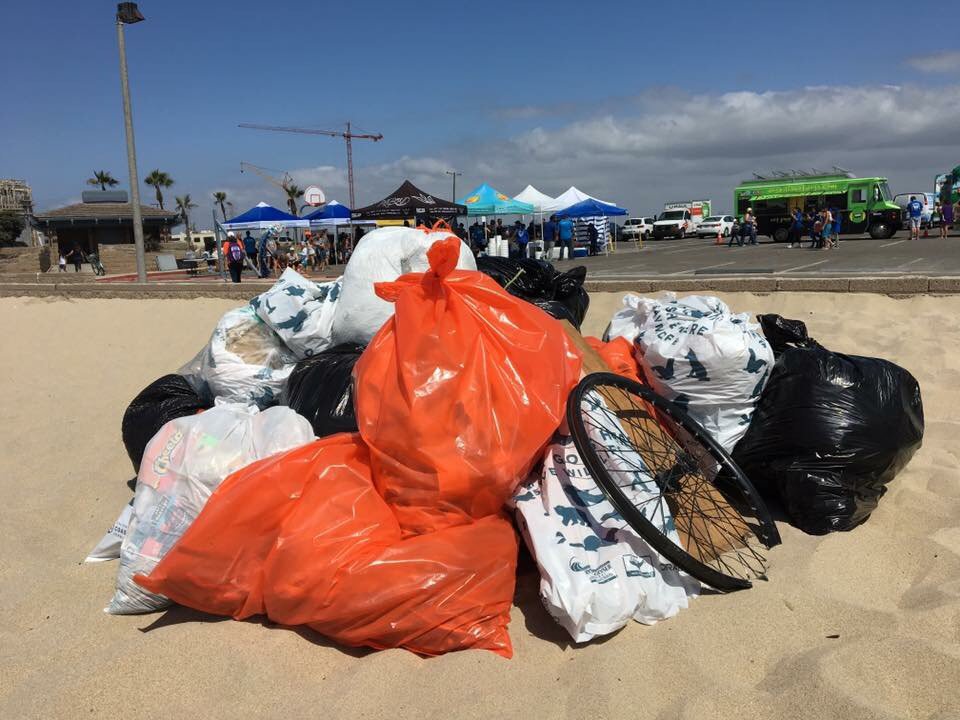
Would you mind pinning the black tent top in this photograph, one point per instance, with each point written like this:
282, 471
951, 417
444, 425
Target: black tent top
406, 203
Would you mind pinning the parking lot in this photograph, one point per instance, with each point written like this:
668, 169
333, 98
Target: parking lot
856, 257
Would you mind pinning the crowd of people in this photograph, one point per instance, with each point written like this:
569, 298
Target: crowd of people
525, 239
269, 255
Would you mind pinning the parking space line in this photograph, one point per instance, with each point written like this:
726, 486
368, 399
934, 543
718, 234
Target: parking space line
697, 269
895, 242
908, 264
683, 250
800, 267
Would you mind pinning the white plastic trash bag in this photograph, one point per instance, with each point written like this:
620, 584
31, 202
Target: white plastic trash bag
697, 353
300, 312
245, 361
182, 466
109, 546
595, 572
382, 255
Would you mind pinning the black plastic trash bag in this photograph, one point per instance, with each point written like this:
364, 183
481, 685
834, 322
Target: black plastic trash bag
829, 431
320, 389
537, 281
163, 400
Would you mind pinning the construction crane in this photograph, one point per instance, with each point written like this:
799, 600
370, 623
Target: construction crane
348, 136
282, 183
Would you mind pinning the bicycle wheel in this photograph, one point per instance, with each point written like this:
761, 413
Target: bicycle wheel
671, 482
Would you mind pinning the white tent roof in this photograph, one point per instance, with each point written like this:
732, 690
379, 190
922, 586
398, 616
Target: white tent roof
540, 201
570, 197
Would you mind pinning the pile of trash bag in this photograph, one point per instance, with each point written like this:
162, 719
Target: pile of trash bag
560, 295
697, 353
165, 399
182, 465
372, 538
320, 389
830, 430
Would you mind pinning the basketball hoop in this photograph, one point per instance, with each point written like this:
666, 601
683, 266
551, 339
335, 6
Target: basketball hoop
314, 196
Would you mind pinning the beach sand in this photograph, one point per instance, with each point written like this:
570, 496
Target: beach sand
889, 590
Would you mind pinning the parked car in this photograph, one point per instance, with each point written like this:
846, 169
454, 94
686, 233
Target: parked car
674, 223
714, 224
927, 198
638, 228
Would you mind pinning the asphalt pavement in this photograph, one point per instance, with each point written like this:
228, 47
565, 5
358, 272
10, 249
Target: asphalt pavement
856, 257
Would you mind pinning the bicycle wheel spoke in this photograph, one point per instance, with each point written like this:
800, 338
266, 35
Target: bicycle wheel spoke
661, 468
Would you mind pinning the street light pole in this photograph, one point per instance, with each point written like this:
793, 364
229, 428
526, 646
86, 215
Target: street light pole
454, 173
128, 14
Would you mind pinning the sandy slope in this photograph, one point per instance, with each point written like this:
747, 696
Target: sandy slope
890, 589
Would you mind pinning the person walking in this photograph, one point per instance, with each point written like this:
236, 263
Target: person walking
735, 234
796, 228
234, 255
549, 237
76, 257
594, 237
835, 227
62, 263
565, 237
827, 225
915, 211
937, 218
750, 226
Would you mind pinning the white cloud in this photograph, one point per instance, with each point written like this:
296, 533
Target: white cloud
938, 62
670, 145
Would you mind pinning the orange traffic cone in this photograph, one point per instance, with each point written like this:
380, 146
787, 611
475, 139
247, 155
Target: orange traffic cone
719, 240
926, 232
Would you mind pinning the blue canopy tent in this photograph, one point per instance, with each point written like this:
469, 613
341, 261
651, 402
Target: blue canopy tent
334, 215
591, 208
262, 217
485, 200
592, 212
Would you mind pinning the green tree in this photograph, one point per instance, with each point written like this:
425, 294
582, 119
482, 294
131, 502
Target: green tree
294, 193
220, 198
11, 225
102, 178
158, 179
184, 206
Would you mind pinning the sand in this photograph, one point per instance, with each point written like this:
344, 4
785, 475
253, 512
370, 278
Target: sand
890, 590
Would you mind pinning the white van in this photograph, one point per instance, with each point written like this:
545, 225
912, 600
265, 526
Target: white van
638, 228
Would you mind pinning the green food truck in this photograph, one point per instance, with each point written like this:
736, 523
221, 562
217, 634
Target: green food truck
865, 204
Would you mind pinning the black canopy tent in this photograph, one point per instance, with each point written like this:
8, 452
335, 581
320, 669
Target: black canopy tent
408, 202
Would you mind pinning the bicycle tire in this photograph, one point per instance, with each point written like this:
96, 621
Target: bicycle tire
723, 523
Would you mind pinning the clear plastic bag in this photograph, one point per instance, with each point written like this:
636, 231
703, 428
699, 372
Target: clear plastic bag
182, 466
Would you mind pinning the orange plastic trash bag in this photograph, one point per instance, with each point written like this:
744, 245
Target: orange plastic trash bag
618, 355
458, 393
305, 539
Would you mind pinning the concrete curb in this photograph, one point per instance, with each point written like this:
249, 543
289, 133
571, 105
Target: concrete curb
900, 285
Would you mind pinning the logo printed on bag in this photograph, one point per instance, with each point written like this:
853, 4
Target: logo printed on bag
162, 462
636, 566
600, 575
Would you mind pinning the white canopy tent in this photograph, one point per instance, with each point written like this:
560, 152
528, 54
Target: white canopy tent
571, 196
541, 202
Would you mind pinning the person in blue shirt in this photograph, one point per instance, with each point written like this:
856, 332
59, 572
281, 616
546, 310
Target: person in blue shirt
835, 230
915, 211
796, 228
521, 238
549, 237
565, 236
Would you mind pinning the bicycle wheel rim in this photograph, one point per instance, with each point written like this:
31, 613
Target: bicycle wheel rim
720, 525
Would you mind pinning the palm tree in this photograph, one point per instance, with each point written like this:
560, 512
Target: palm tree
184, 206
102, 178
158, 180
220, 198
293, 194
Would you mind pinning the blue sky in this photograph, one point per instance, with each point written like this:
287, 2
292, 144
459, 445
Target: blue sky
638, 103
